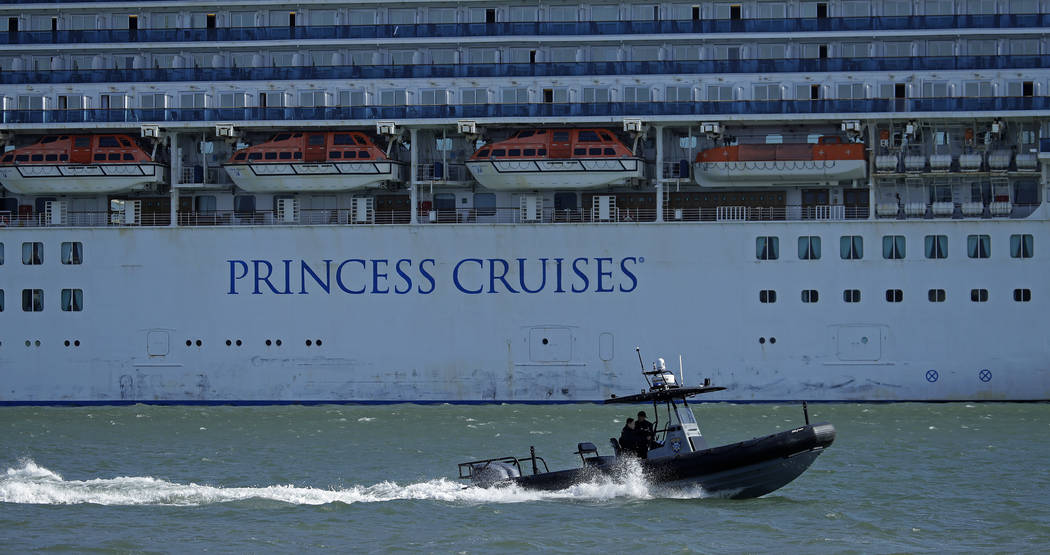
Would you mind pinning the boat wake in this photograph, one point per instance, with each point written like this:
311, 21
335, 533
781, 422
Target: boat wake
34, 484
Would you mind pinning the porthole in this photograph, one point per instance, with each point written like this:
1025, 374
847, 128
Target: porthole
268, 342
762, 340
318, 342
238, 342
76, 343
28, 343
188, 343
198, 342
228, 342
309, 343
772, 340
545, 341
278, 342
37, 342
67, 343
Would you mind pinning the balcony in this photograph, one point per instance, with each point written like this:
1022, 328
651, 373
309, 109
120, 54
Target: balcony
554, 69
138, 116
546, 28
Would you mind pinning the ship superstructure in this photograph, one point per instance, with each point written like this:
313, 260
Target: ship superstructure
375, 201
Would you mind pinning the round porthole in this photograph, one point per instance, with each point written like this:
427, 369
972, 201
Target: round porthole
318, 342
309, 343
67, 343
198, 342
268, 342
228, 342
772, 340
188, 343
278, 342
762, 340
76, 343
545, 341
238, 342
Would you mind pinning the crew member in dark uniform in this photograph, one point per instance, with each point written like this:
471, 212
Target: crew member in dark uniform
646, 435
629, 438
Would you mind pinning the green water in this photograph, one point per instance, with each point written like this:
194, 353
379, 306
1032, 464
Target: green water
899, 478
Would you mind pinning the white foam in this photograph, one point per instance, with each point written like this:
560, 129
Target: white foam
34, 484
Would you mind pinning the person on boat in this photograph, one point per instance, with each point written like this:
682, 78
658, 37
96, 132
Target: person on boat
646, 434
630, 439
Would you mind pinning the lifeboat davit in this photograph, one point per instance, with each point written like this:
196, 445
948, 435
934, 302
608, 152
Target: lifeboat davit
312, 161
79, 164
829, 159
538, 159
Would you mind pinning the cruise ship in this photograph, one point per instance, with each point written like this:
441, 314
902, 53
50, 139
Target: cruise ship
476, 201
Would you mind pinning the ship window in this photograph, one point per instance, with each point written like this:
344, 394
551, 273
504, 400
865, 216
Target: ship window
100, 156
978, 246
979, 295
82, 142
530, 152
485, 204
1021, 246
514, 152
315, 140
595, 151
285, 155
561, 136
483, 153
114, 156
894, 295
32, 254
331, 154
350, 154
297, 155
1, 300
72, 252
51, 157
499, 152
240, 156
851, 295
9, 157
364, 154
49, 139
22, 158
444, 201
606, 136
244, 204
1, 254
129, 156
360, 140
541, 152
282, 137
767, 248
72, 300
32, 300
851, 247
588, 137
37, 158
810, 296
63, 157
255, 156
579, 151
809, 247
936, 295
893, 247
767, 296
1022, 295
343, 139
524, 134
936, 246
610, 151
125, 142
270, 155
108, 142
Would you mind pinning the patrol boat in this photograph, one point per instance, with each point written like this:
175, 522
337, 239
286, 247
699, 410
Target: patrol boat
680, 456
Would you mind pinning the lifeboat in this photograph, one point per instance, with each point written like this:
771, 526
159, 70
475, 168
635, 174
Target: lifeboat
829, 159
312, 161
538, 159
79, 164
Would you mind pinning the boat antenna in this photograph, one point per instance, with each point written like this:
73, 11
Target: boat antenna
681, 372
642, 364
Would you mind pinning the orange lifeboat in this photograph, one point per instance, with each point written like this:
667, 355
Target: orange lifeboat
312, 161
79, 164
828, 160
537, 159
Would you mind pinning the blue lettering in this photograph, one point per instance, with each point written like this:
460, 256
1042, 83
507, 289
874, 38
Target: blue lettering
339, 276
502, 277
576, 269
557, 263
287, 277
521, 276
629, 274
603, 274
455, 276
261, 278
234, 277
427, 276
376, 275
401, 273
304, 269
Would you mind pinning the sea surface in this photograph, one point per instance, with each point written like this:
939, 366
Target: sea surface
379, 478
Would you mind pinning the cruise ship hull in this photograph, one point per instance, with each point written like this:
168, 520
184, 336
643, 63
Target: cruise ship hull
517, 313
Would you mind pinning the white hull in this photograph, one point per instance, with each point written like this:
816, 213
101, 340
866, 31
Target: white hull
440, 313
777, 173
539, 175
88, 179
320, 177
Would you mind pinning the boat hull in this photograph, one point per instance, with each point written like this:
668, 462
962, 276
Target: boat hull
319, 177
776, 172
87, 179
542, 175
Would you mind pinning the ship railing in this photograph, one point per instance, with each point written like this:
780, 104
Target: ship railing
621, 215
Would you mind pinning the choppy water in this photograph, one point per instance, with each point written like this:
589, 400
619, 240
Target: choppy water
899, 478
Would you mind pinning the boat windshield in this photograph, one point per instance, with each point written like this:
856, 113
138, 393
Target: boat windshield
685, 416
